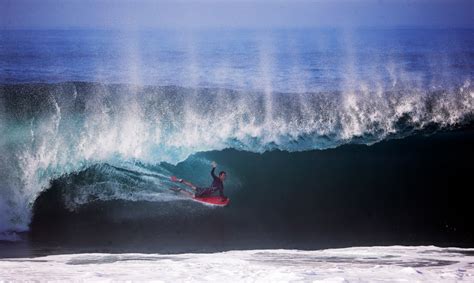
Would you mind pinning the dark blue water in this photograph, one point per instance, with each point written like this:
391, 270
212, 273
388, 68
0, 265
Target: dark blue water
273, 60
94, 123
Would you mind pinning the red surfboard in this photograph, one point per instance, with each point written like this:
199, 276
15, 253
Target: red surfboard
218, 201
211, 200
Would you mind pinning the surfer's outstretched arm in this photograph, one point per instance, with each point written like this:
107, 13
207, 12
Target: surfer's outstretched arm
213, 174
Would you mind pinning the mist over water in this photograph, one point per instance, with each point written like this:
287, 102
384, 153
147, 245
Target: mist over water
119, 104
282, 60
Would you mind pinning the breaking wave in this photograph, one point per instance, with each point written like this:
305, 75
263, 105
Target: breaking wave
50, 130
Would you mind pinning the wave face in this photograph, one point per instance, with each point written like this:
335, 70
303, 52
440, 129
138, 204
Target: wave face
55, 129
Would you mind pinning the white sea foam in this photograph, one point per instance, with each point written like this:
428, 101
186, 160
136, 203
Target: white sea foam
358, 264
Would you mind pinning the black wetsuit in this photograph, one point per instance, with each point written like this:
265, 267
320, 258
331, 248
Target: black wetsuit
217, 185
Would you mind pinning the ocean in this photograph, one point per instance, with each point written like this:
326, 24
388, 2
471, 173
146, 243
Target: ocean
331, 138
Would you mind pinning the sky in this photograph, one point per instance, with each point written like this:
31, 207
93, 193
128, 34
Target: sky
143, 14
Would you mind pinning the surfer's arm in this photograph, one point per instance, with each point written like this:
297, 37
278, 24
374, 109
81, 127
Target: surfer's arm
213, 174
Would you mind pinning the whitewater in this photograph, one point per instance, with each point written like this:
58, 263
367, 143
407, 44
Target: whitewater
359, 264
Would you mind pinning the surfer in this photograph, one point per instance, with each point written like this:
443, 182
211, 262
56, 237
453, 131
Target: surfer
216, 186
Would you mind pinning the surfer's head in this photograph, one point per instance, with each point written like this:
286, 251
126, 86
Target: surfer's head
222, 175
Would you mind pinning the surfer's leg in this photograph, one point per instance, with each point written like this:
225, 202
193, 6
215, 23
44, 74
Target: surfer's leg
189, 194
182, 191
189, 185
203, 192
